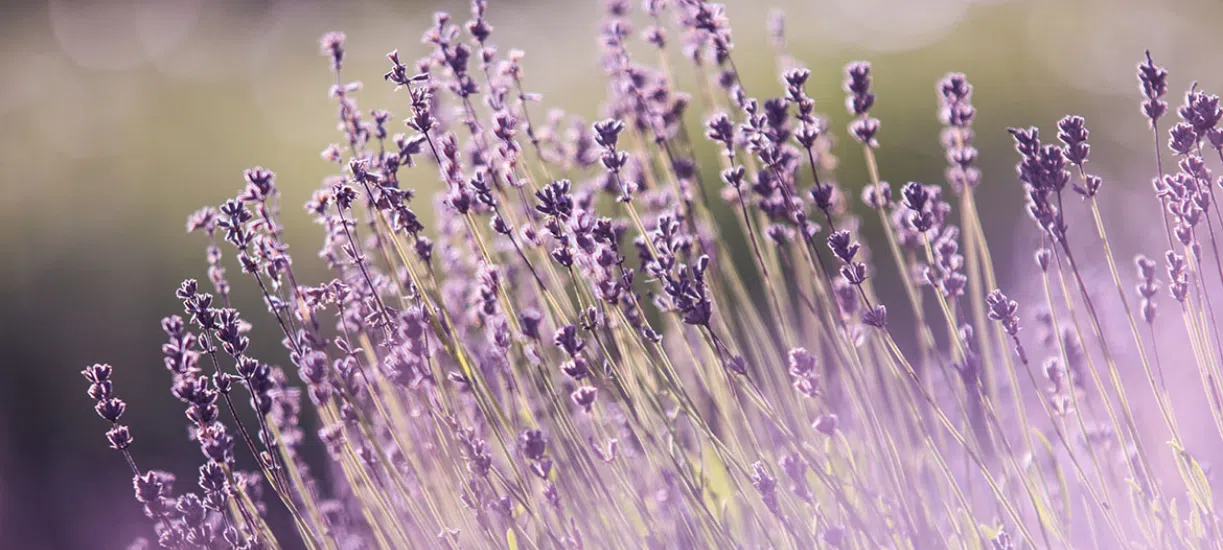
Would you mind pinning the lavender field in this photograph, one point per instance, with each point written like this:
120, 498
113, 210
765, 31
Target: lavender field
658, 274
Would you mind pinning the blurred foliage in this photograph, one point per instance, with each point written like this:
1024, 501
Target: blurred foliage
119, 119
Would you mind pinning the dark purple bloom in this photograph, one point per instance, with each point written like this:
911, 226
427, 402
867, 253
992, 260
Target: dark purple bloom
568, 340
555, 200
98, 373
917, 200
120, 437
864, 130
1182, 139
584, 397
1154, 84
1003, 310
110, 409
858, 85
607, 132
876, 316
1072, 131
843, 246
149, 487
1201, 111
532, 444
722, 130
576, 368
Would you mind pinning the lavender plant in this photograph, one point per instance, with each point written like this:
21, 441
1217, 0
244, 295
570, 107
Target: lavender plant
567, 353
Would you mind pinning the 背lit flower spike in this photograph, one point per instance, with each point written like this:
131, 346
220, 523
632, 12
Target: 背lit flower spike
842, 246
1178, 276
1148, 287
875, 316
1072, 132
809, 136
1182, 139
1003, 310
946, 274
854, 274
332, 45
1153, 84
918, 201
720, 129
1153, 81
859, 101
956, 113
1042, 170
607, 135
687, 289
1201, 111
858, 85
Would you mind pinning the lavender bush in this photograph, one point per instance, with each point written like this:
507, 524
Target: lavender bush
597, 340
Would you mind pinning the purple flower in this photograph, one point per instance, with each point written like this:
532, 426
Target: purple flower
842, 246
1003, 310
532, 444
584, 397
802, 363
876, 316
332, 45
858, 85
555, 200
1153, 81
1072, 131
568, 340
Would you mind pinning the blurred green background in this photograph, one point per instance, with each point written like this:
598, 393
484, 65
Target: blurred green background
117, 119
